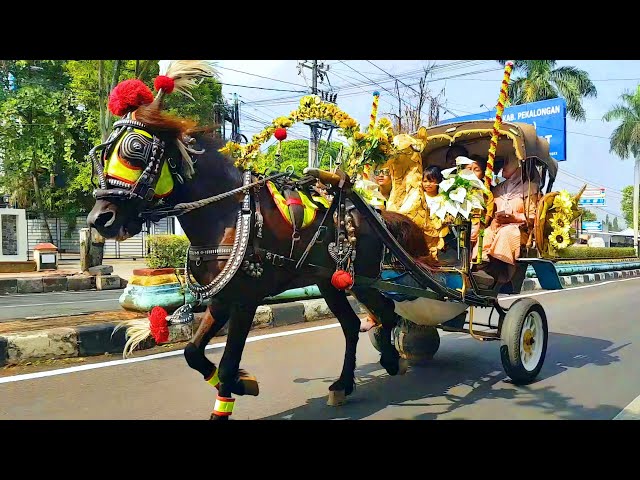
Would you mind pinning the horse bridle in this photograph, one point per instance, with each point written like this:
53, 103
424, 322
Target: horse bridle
151, 152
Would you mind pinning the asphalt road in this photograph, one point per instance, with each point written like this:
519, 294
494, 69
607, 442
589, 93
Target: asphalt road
591, 372
34, 305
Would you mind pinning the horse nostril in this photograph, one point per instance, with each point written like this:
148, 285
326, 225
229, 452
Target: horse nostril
105, 219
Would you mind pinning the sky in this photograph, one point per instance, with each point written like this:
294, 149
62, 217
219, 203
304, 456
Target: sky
465, 87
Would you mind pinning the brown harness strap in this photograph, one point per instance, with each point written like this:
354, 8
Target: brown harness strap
296, 210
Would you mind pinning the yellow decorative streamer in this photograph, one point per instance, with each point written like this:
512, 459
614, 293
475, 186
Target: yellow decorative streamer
488, 174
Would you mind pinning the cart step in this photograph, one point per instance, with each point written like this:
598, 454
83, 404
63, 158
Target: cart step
545, 271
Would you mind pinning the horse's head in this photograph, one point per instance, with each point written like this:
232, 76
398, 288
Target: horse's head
145, 156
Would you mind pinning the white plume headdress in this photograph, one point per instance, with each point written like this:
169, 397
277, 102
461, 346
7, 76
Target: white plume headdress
183, 76
186, 74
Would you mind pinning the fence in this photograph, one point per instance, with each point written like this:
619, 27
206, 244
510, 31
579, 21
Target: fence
68, 241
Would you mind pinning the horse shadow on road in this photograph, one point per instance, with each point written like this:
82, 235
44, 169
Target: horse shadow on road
465, 373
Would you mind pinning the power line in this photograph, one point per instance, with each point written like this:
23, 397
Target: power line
384, 88
263, 88
261, 76
384, 71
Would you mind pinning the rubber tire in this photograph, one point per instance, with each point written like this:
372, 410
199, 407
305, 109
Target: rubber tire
510, 340
416, 343
373, 337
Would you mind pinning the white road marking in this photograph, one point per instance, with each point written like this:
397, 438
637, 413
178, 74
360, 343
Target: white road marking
60, 303
631, 411
114, 363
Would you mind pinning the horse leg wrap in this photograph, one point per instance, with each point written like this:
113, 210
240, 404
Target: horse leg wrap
223, 406
213, 378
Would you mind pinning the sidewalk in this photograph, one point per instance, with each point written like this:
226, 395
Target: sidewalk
69, 276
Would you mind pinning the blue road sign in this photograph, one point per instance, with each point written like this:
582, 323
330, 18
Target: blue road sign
594, 226
548, 116
593, 197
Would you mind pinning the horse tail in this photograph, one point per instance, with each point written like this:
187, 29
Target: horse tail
137, 331
406, 232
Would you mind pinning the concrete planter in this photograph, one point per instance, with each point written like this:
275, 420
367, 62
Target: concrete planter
155, 287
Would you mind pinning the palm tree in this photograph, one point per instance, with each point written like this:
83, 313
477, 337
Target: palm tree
540, 80
625, 141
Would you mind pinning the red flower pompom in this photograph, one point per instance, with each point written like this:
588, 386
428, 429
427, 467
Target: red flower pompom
341, 280
158, 324
129, 95
280, 134
165, 83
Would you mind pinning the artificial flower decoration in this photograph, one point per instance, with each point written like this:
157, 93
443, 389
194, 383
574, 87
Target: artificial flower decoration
369, 191
559, 239
563, 201
555, 215
559, 221
366, 149
459, 194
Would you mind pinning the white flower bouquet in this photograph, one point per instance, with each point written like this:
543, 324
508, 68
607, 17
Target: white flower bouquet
459, 193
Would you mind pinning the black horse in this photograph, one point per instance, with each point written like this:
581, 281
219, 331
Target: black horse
226, 212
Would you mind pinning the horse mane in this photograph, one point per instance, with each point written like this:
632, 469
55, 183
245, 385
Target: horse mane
406, 232
168, 125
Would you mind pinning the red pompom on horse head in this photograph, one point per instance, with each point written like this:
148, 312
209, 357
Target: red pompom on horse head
165, 83
128, 95
341, 280
158, 324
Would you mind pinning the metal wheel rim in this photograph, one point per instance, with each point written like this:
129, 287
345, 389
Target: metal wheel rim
531, 352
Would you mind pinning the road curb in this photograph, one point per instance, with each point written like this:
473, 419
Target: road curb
61, 283
98, 339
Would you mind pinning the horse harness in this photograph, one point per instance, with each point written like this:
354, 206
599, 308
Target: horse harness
245, 253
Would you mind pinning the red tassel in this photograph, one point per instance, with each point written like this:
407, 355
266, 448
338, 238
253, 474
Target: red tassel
158, 324
128, 95
341, 280
280, 133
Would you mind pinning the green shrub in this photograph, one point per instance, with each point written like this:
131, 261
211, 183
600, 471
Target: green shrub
596, 252
167, 251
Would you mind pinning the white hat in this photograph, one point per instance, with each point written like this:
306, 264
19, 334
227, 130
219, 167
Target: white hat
462, 160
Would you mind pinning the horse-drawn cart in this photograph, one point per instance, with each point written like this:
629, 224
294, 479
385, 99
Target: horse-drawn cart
255, 234
432, 298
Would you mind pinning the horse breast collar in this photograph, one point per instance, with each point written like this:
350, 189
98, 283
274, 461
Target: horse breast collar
235, 253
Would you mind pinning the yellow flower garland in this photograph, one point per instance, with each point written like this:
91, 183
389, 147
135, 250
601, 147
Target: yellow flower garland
371, 148
559, 217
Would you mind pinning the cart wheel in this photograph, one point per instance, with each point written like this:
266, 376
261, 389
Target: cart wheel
416, 343
523, 340
374, 337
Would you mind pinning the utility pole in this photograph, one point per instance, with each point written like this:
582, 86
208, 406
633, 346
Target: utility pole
235, 124
636, 201
318, 71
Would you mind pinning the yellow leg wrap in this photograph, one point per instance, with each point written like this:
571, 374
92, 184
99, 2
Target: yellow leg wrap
223, 406
213, 379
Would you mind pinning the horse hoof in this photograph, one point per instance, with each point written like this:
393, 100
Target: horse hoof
250, 385
336, 398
